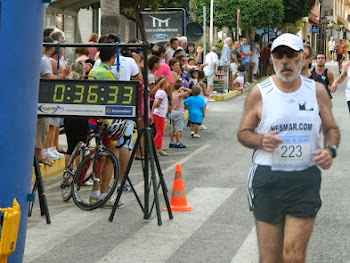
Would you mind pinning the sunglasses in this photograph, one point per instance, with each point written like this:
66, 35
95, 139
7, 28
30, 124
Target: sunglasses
279, 53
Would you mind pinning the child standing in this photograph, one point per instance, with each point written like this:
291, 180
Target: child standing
195, 105
159, 111
204, 93
193, 79
177, 114
240, 77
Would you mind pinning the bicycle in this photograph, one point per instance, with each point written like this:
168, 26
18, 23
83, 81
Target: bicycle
91, 167
81, 150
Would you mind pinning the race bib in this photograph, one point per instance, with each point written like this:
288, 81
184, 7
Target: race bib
293, 154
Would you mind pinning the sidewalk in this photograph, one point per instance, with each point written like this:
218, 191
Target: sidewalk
58, 165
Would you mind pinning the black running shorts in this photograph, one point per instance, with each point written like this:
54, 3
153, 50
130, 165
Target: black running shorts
275, 194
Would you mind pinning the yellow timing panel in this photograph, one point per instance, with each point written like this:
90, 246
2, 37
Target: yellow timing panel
9, 230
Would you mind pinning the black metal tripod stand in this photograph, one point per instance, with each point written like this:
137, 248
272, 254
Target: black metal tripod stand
39, 185
151, 162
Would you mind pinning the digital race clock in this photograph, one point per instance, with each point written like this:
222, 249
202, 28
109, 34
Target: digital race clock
91, 98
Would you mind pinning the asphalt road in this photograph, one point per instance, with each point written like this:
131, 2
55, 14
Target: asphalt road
219, 229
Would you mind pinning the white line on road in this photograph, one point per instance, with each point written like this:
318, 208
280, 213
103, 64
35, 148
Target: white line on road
140, 247
42, 237
248, 252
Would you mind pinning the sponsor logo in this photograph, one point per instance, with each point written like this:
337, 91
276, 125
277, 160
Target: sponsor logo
305, 106
160, 21
160, 36
122, 111
50, 109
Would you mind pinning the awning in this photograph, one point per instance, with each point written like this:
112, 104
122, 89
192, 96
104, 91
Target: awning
313, 20
73, 5
342, 21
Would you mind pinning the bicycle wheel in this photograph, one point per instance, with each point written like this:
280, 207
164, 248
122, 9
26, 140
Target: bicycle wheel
91, 168
69, 170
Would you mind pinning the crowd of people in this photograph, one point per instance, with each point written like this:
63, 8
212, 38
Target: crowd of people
176, 76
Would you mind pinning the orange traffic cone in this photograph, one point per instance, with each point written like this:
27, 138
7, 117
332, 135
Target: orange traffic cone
178, 200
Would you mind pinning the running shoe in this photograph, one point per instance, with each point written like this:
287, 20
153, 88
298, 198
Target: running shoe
180, 146
196, 136
172, 145
202, 127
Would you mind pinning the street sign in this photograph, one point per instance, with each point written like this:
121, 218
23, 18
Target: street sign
161, 26
97, 98
314, 29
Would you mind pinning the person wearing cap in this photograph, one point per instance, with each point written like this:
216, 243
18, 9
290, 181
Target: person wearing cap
282, 121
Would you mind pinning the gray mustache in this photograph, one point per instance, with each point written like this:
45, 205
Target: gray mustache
286, 67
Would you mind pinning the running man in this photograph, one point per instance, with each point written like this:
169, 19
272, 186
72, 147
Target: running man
282, 120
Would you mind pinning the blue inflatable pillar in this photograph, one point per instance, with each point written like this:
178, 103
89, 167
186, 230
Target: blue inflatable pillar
21, 34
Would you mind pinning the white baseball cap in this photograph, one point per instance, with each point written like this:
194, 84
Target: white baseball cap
289, 40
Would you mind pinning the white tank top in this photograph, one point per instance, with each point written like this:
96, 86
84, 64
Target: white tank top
347, 90
296, 116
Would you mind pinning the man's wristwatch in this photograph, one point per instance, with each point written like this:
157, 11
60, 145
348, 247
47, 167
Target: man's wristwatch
333, 149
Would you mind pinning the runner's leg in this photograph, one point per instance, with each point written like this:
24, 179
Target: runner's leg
297, 232
270, 241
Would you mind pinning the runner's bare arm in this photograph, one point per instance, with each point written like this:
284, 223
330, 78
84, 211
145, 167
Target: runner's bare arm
329, 126
249, 120
323, 156
341, 77
330, 77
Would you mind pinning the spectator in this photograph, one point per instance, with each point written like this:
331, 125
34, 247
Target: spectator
193, 80
178, 72
331, 47
246, 51
129, 68
47, 32
93, 39
159, 112
43, 123
240, 77
83, 56
174, 45
177, 114
195, 105
197, 54
212, 61
266, 59
76, 129
164, 69
254, 58
236, 60
204, 94
340, 48
226, 52
182, 42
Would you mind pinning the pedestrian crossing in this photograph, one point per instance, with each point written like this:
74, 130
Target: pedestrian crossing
151, 243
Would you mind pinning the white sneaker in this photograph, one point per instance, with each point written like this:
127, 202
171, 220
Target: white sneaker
51, 150
60, 155
196, 136
202, 127
48, 154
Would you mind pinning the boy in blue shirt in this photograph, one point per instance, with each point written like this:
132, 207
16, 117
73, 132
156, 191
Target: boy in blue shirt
195, 105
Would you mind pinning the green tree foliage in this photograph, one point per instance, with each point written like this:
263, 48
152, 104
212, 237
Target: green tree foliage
294, 10
261, 13
254, 13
